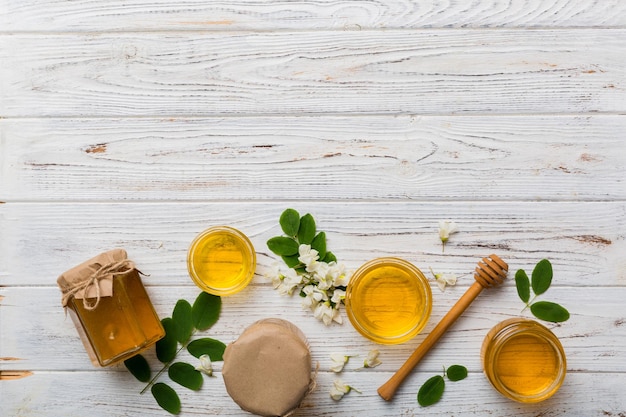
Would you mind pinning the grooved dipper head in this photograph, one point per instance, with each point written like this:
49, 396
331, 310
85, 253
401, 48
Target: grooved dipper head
491, 271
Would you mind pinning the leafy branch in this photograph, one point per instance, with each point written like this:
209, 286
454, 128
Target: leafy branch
298, 231
540, 281
432, 390
313, 271
179, 329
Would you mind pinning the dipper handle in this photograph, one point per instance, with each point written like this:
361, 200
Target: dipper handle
490, 272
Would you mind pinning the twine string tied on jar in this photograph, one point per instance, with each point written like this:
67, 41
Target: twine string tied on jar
106, 271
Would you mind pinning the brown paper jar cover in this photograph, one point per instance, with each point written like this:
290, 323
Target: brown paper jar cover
267, 370
110, 308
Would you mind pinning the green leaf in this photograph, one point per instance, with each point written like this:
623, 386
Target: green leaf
306, 232
283, 246
330, 257
523, 285
138, 366
291, 261
542, 276
185, 375
290, 222
207, 346
456, 372
166, 397
431, 391
166, 347
545, 310
319, 244
206, 310
182, 316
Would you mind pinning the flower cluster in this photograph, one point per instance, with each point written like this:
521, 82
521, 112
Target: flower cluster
322, 285
312, 270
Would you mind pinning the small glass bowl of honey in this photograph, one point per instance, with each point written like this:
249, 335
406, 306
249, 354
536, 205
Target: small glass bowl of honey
523, 360
388, 300
221, 260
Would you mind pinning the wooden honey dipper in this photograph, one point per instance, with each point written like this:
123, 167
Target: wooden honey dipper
490, 272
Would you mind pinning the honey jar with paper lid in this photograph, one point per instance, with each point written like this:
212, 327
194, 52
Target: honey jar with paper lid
110, 308
267, 370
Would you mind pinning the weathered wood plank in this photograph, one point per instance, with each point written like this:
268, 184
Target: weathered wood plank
114, 393
424, 72
346, 157
594, 338
585, 241
117, 15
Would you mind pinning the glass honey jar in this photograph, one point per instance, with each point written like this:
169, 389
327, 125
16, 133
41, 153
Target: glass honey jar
110, 308
523, 360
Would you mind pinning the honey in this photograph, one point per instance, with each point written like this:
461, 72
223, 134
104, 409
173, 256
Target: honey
523, 360
388, 300
120, 322
221, 261
122, 325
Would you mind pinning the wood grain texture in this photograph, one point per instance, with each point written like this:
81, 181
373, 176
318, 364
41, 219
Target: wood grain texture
291, 158
585, 240
140, 123
117, 15
390, 72
114, 397
596, 315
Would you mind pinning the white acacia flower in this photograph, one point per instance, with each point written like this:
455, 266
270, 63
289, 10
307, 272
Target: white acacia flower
444, 279
307, 256
339, 275
326, 313
340, 389
312, 296
338, 361
273, 272
372, 360
338, 296
205, 365
287, 282
446, 228
322, 277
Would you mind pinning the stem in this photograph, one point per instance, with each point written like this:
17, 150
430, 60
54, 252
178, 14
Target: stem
432, 272
165, 366
529, 303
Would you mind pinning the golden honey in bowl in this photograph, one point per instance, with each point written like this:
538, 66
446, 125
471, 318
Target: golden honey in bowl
221, 260
523, 360
388, 300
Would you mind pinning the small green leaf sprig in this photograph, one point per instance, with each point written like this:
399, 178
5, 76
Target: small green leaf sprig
432, 390
313, 271
541, 279
185, 321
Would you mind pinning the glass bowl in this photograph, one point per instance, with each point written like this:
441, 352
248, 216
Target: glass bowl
388, 300
221, 260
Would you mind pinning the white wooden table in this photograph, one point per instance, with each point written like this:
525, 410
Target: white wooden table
138, 124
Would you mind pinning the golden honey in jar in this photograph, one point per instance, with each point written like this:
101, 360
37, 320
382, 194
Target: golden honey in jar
110, 308
523, 360
221, 260
388, 300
